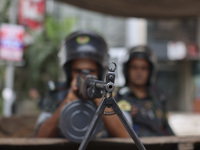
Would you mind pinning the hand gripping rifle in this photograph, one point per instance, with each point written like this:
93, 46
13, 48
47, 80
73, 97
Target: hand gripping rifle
91, 88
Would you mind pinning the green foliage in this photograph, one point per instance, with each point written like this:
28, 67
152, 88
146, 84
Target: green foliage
57, 31
4, 12
3, 19
1, 105
41, 63
2, 74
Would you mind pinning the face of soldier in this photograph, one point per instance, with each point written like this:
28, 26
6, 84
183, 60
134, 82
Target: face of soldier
83, 64
138, 72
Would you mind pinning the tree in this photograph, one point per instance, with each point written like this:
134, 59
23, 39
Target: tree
41, 62
3, 19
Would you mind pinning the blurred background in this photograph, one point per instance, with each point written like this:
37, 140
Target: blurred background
32, 30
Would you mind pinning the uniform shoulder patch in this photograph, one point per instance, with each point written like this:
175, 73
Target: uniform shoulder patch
124, 105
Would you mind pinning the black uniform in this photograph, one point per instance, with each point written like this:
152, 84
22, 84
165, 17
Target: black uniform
151, 118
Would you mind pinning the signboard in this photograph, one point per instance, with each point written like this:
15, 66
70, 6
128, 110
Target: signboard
160, 32
176, 50
31, 13
11, 42
193, 51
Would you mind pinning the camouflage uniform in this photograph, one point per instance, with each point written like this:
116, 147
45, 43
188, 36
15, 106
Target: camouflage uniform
51, 102
151, 118
54, 97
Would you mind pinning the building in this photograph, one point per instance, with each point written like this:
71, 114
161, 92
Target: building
178, 73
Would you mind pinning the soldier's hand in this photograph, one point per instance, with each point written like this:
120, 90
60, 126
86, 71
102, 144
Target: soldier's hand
72, 94
97, 101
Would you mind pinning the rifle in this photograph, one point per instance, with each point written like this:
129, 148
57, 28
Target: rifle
90, 88
76, 116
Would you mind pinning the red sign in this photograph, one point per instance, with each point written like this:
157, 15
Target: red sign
176, 50
11, 42
31, 13
192, 50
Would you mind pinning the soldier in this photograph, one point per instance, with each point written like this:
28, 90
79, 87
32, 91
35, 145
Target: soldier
81, 50
144, 104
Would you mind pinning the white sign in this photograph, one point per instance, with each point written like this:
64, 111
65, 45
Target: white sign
176, 50
11, 42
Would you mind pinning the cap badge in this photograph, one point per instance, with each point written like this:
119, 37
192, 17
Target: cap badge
82, 39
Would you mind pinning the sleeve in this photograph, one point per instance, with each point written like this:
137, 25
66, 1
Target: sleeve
124, 106
50, 102
162, 99
48, 105
166, 125
41, 119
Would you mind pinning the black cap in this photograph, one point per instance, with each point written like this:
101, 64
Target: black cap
85, 44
